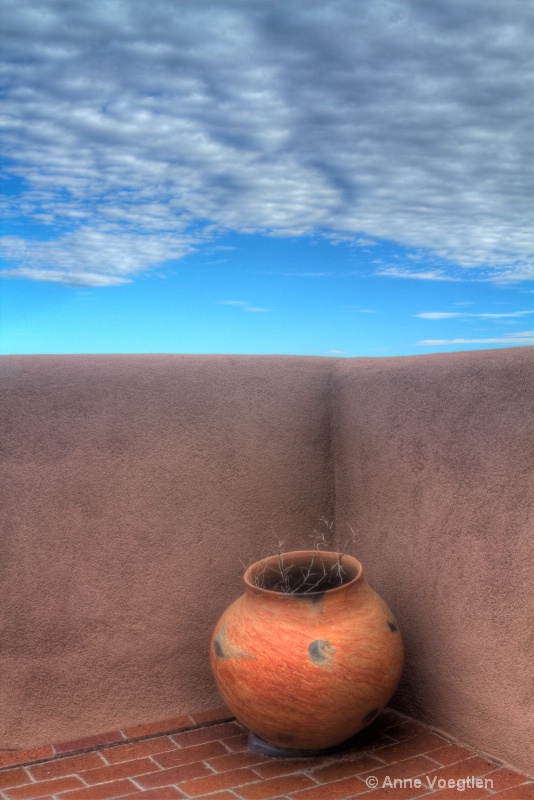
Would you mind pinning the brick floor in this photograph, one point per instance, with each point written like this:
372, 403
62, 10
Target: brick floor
205, 755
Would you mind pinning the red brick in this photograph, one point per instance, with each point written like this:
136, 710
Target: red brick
88, 742
208, 734
349, 787
418, 745
147, 747
44, 797
153, 728
166, 777
411, 768
462, 769
524, 792
236, 743
65, 766
161, 793
505, 778
273, 767
126, 769
374, 742
184, 755
101, 792
10, 758
451, 753
223, 780
397, 793
219, 796
220, 714
283, 784
372, 736
14, 777
343, 769
235, 760
44, 788
406, 730
454, 794
388, 718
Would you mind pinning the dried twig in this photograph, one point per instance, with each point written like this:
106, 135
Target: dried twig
316, 575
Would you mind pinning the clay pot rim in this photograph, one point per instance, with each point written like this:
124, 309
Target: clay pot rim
330, 555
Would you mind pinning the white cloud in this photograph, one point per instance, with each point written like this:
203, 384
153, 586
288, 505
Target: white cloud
361, 241
243, 304
288, 274
456, 314
438, 315
521, 337
350, 239
78, 278
145, 130
422, 275
97, 256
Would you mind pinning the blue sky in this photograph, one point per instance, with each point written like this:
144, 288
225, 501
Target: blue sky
257, 176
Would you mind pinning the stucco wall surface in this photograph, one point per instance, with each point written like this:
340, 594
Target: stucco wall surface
434, 463
131, 489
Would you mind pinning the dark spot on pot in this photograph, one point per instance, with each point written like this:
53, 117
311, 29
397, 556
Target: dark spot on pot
321, 652
225, 648
393, 628
312, 597
371, 715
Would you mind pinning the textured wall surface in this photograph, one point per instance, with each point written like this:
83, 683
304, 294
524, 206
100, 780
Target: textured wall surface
434, 459
132, 487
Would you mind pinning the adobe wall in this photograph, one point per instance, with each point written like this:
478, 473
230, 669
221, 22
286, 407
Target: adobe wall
131, 489
434, 462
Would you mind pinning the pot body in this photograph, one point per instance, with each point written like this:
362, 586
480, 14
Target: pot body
307, 671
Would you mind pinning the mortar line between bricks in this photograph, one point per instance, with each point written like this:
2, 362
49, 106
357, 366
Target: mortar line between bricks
109, 745
286, 774
30, 776
452, 740
138, 786
150, 758
135, 778
208, 766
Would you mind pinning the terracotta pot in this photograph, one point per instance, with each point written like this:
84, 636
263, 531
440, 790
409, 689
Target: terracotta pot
307, 670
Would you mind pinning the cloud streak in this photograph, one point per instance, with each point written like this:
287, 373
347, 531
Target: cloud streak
519, 338
419, 275
135, 133
459, 314
244, 305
